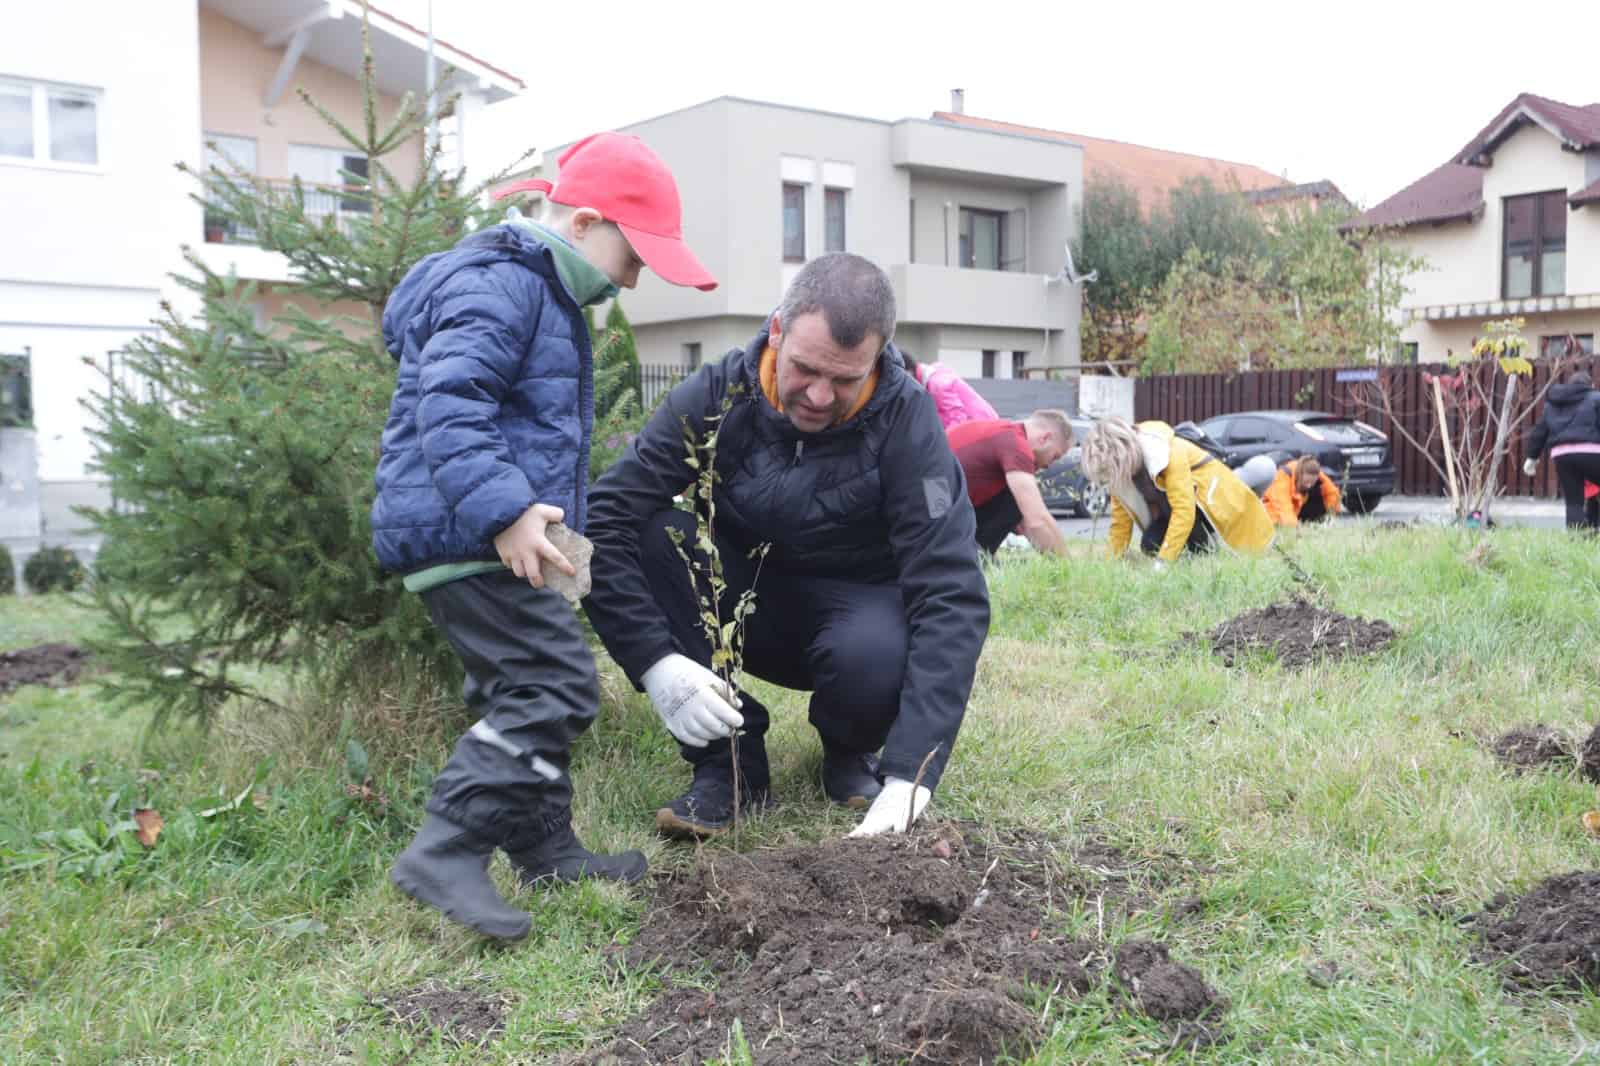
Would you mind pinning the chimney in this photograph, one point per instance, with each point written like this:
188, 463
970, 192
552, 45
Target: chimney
958, 101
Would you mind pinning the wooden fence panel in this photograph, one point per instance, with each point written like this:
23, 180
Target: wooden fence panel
1175, 398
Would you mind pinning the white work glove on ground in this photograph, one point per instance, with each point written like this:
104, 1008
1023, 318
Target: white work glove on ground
888, 812
693, 702
1529, 466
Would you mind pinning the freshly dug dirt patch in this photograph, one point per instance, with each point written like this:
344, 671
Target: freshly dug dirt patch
462, 1015
883, 950
1548, 938
1533, 747
1298, 633
1170, 992
1589, 757
43, 664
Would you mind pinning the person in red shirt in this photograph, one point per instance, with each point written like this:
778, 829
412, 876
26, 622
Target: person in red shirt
1001, 459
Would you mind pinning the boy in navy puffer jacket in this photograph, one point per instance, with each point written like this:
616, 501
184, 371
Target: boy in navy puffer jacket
487, 443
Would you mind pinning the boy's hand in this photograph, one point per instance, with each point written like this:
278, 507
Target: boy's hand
522, 545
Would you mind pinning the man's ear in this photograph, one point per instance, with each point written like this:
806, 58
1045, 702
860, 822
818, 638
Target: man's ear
774, 330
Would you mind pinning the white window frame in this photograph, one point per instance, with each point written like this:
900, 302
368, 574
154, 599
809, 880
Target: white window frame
41, 91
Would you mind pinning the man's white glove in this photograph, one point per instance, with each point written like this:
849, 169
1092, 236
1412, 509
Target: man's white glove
1158, 565
693, 702
1529, 466
888, 812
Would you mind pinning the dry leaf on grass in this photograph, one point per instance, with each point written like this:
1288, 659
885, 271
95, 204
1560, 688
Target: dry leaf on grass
149, 821
1591, 822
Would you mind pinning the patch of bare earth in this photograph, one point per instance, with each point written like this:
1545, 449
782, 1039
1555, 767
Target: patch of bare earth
936, 948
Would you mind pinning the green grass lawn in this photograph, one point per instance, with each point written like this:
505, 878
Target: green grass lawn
1311, 811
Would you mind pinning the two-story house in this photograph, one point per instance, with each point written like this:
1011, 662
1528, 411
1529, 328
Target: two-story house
971, 226
1510, 226
98, 102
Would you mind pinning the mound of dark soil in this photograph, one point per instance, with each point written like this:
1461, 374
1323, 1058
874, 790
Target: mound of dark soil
463, 1016
1298, 633
1589, 757
1532, 747
1170, 992
1549, 937
43, 664
883, 950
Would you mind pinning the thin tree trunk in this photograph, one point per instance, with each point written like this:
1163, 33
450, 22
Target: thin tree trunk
1501, 433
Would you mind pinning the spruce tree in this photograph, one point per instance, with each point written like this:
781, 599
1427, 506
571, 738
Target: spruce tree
241, 456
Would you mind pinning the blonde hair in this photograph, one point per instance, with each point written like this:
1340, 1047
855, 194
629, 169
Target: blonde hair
1053, 419
1111, 452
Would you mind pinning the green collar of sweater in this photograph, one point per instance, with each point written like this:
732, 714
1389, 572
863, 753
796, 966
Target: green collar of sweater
583, 280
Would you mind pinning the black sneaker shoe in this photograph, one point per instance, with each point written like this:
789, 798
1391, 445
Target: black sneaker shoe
849, 779
706, 810
562, 857
447, 867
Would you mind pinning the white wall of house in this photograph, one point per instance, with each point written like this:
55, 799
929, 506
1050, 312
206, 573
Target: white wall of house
1466, 258
732, 159
88, 245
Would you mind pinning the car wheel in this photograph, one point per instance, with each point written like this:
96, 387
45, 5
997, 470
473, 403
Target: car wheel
1092, 503
1362, 502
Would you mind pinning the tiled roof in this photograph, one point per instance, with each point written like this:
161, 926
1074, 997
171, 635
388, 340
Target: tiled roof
1578, 127
1311, 190
1450, 192
1455, 190
1150, 172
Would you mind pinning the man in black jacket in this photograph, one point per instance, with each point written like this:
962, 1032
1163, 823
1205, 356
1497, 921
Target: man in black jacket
869, 595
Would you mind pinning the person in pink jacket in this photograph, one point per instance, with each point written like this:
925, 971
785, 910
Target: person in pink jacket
957, 401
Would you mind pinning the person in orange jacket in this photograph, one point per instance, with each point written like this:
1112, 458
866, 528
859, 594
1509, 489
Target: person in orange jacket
1293, 488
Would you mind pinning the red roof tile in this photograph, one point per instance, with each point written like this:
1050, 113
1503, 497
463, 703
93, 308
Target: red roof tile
1150, 172
1589, 194
1450, 192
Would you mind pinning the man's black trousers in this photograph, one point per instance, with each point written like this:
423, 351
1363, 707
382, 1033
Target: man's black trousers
843, 641
997, 518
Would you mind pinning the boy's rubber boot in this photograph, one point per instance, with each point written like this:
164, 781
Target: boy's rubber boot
562, 857
447, 867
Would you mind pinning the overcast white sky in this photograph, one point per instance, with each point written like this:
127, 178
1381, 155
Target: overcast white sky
1370, 95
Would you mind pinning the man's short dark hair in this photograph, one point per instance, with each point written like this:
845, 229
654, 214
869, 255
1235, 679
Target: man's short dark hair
854, 296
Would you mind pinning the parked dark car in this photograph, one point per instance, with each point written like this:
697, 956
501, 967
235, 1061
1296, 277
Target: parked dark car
1357, 457
1065, 489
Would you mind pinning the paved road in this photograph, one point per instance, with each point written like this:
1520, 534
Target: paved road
1512, 510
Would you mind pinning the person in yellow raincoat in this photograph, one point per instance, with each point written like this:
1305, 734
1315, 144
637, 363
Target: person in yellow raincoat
1179, 495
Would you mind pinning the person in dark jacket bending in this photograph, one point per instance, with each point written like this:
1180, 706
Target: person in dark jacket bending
1570, 427
486, 446
870, 596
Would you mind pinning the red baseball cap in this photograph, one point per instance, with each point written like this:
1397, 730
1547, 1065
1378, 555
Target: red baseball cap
619, 176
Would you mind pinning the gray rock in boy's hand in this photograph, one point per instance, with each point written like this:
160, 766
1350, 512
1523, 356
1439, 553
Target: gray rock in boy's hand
579, 550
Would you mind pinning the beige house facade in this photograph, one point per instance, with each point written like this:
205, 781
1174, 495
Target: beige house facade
971, 226
1509, 227
96, 214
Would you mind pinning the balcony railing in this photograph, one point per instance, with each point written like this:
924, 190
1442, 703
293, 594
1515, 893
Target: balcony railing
345, 204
